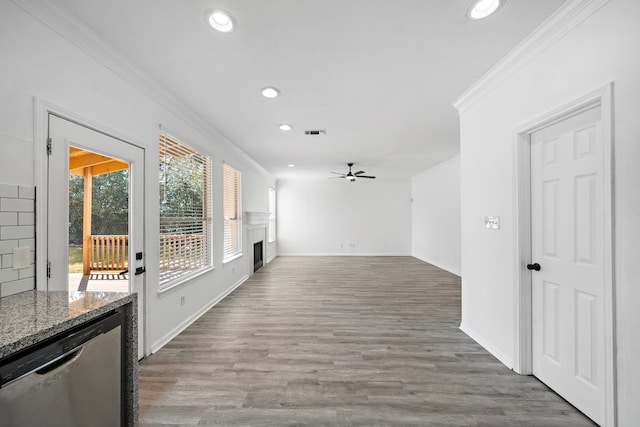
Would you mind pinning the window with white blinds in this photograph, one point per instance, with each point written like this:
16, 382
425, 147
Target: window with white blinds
185, 211
232, 187
272, 215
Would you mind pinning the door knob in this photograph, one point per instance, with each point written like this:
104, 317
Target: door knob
535, 267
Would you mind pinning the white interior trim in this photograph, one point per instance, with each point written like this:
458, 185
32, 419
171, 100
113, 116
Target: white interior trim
565, 19
41, 111
439, 265
488, 345
342, 254
522, 244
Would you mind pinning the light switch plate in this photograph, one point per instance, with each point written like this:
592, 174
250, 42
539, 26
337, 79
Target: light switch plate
21, 257
492, 222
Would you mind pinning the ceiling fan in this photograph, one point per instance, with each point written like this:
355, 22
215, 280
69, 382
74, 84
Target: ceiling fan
351, 176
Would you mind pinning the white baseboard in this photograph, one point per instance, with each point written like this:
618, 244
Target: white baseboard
195, 316
440, 265
272, 258
498, 354
342, 254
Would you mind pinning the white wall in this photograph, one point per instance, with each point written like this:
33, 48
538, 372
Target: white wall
435, 215
38, 62
338, 217
601, 49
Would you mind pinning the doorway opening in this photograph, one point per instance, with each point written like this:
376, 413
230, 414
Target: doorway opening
75, 149
564, 307
98, 222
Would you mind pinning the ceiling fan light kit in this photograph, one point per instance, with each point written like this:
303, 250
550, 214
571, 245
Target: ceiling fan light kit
352, 176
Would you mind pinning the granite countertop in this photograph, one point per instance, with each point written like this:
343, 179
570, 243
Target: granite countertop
30, 317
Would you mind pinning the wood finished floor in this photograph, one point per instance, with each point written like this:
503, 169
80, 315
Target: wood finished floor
343, 341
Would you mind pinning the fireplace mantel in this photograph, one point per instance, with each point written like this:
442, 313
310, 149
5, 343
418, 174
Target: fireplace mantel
256, 225
260, 219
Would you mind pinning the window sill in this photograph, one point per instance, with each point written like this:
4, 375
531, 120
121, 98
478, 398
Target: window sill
182, 280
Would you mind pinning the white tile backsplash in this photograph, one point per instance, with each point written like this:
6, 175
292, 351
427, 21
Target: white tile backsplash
27, 272
26, 218
8, 218
6, 246
9, 232
17, 229
26, 192
8, 204
8, 275
6, 261
16, 287
8, 190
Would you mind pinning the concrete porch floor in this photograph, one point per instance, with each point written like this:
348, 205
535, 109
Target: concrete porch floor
111, 282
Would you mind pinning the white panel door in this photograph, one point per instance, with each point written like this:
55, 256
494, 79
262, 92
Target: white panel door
567, 242
64, 134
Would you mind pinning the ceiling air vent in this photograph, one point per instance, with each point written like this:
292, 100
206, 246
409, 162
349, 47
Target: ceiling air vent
315, 132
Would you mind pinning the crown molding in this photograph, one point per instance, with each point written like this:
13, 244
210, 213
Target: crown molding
86, 39
558, 25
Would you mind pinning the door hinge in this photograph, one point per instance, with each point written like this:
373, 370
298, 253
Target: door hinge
49, 149
48, 269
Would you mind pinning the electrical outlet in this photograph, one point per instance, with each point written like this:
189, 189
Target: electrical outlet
182, 300
21, 257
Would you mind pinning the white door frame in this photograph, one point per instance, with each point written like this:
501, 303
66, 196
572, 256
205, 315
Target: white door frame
41, 110
523, 364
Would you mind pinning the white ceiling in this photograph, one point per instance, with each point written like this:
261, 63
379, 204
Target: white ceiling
378, 75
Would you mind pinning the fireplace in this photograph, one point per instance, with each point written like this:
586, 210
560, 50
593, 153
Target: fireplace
257, 256
256, 223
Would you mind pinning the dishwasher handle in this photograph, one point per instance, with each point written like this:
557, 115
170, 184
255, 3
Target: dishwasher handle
59, 363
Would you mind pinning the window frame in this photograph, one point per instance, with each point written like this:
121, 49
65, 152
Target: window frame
183, 274
271, 232
235, 217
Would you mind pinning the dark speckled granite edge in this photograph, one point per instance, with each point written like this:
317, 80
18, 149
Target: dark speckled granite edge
128, 304
131, 381
29, 340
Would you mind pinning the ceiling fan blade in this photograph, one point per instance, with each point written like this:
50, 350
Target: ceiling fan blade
338, 173
338, 177
358, 173
365, 176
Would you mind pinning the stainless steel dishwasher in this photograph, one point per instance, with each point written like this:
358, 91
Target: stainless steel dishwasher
70, 380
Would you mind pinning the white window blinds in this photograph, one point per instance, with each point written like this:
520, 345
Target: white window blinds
272, 215
185, 211
232, 187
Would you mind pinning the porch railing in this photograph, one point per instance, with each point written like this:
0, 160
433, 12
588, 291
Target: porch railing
109, 253
181, 252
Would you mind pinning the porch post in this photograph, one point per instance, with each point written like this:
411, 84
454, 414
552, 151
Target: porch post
86, 222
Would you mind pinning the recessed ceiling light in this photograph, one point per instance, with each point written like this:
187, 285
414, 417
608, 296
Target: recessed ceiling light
483, 8
292, 166
220, 20
270, 92
285, 127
